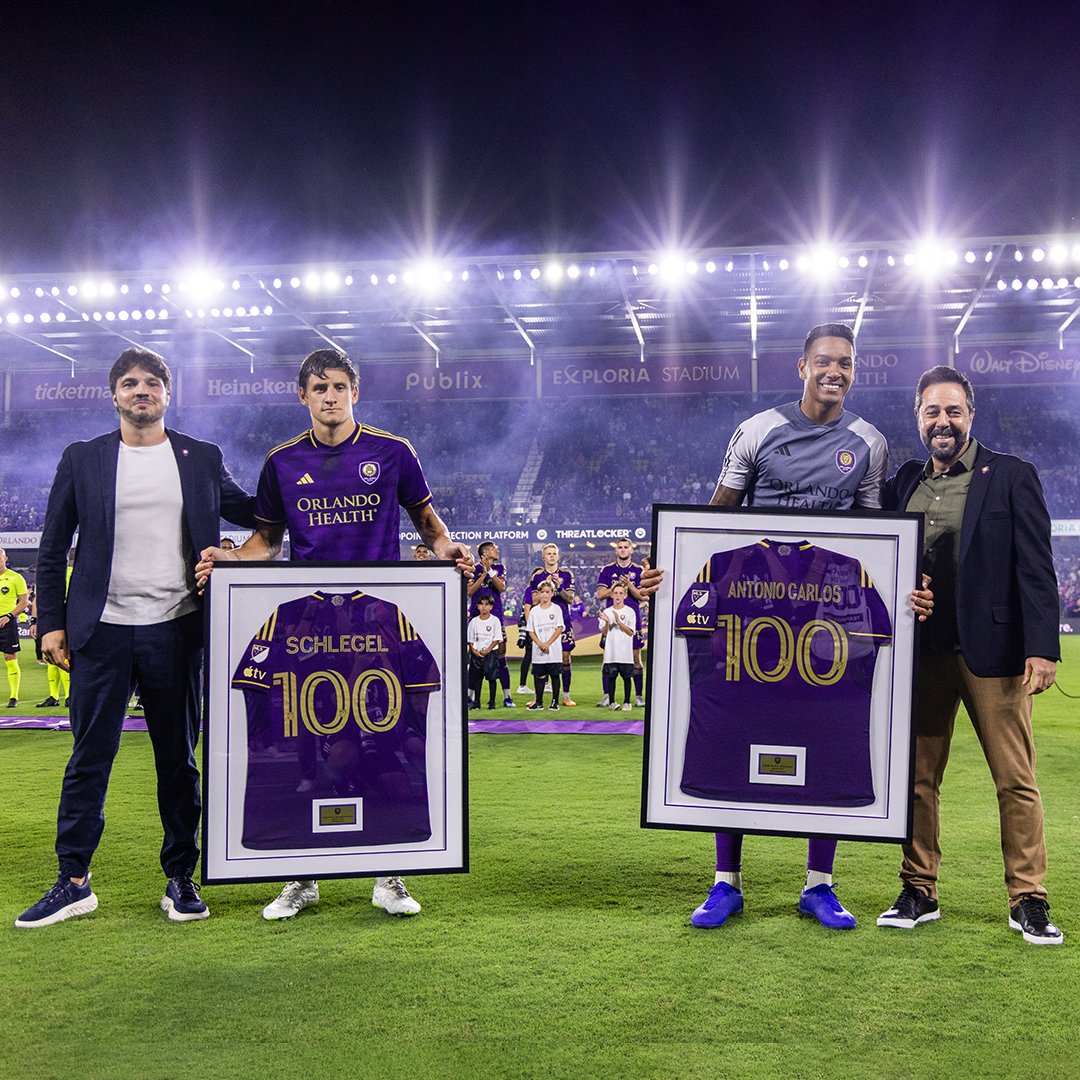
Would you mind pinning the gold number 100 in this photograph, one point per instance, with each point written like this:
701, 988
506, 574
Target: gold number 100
742, 649
348, 702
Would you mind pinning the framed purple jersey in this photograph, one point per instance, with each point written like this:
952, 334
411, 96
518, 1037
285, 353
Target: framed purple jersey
781, 667
336, 724
782, 640
336, 689
341, 502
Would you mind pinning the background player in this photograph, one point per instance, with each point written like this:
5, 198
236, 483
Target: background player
619, 623
349, 514
14, 596
810, 454
546, 628
562, 585
489, 576
624, 570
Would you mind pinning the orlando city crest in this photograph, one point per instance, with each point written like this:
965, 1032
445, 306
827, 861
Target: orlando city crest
369, 472
845, 461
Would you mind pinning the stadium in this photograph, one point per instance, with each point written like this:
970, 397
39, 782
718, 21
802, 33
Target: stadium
570, 249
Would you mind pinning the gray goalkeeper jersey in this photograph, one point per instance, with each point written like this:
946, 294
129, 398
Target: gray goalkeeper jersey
781, 458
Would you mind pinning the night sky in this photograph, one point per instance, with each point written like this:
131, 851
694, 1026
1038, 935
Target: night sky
150, 134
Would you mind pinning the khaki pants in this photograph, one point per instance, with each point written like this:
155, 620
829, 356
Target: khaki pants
1000, 711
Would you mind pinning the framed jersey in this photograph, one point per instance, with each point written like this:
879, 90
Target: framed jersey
780, 672
335, 732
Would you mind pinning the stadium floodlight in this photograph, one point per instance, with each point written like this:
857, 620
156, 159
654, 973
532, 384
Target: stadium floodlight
12, 317
16, 292
312, 281
294, 282
843, 262
864, 262
465, 274
1062, 282
97, 316
148, 288
553, 272
969, 257
1076, 282
88, 290
39, 292
124, 289
1057, 254
269, 309
517, 273
1037, 254
200, 313
331, 280
28, 317
1001, 285
573, 272
227, 312
110, 316
391, 279
166, 288
46, 317
592, 271
710, 267
107, 288
122, 315
1047, 283
61, 316
448, 276
1017, 284
163, 313
136, 314
349, 280
1032, 284
729, 265
1018, 255
891, 260
150, 313
784, 264
73, 290
534, 273
691, 266
909, 258
409, 277
802, 264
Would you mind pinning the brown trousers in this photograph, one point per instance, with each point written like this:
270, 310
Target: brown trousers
1000, 711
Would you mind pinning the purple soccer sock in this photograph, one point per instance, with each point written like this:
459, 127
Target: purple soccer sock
639, 679
728, 852
820, 855
566, 671
504, 675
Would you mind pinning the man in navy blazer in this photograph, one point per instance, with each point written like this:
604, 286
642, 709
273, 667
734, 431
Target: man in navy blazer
992, 642
145, 501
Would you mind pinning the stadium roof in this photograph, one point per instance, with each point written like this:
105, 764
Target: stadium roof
738, 300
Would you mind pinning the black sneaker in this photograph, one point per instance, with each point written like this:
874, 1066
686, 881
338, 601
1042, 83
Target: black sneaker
911, 908
182, 900
65, 900
1032, 916
48, 703
12, 702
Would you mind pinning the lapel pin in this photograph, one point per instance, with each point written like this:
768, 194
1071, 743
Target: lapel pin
184, 452
985, 469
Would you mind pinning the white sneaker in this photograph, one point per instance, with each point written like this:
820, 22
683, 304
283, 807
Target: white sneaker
522, 690
614, 706
605, 703
639, 702
391, 895
296, 896
627, 706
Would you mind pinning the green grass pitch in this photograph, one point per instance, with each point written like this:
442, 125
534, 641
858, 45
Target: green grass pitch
566, 952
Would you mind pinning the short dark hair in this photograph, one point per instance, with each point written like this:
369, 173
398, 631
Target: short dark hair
144, 358
828, 329
485, 598
485, 544
944, 374
321, 361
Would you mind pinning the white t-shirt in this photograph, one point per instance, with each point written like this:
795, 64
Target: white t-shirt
153, 573
541, 622
618, 647
482, 632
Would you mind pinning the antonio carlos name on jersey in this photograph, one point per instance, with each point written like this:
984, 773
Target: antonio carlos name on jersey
340, 509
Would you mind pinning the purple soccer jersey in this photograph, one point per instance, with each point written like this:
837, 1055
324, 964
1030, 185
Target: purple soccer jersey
336, 690
565, 579
340, 503
782, 641
496, 596
609, 575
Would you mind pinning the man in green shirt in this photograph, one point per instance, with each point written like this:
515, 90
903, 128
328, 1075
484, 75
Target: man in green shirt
992, 642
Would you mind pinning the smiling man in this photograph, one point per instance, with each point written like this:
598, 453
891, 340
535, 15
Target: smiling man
338, 488
810, 454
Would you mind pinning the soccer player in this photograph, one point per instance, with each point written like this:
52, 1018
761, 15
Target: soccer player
338, 488
562, 584
484, 636
490, 576
811, 454
619, 624
421, 553
546, 629
624, 570
14, 596
143, 499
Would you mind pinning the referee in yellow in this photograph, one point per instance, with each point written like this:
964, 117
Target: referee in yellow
13, 599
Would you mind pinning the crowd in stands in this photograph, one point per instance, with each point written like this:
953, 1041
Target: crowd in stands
605, 462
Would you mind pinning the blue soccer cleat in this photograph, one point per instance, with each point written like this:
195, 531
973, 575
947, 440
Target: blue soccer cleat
723, 900
821, 903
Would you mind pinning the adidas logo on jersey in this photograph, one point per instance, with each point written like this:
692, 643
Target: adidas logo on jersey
305, 479
783, 451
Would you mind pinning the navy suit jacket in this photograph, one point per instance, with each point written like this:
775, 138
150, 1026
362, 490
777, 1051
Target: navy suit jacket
1006, 588
83, 496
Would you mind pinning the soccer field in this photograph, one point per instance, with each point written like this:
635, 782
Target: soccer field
565, 952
